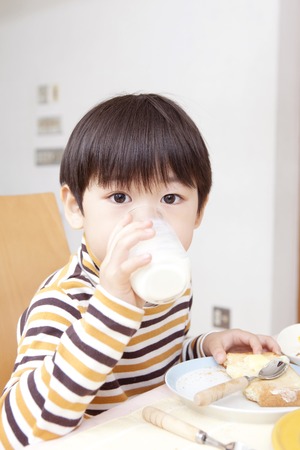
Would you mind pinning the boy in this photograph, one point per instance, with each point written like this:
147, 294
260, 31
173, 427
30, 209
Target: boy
87, 342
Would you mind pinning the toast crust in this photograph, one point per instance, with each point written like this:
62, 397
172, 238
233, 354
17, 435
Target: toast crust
282, 391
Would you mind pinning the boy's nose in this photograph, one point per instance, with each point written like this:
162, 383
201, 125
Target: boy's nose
145, 212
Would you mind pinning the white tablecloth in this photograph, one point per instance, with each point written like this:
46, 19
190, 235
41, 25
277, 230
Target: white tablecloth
123, 427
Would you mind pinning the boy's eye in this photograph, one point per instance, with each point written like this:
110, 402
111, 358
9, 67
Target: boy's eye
170, 199
119, 197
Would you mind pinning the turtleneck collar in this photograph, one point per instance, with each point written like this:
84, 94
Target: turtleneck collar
88, 261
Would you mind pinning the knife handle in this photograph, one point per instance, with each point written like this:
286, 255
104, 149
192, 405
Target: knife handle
214, 393
170, 423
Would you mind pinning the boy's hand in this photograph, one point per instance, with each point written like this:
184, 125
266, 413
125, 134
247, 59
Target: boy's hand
117, 266
217, 344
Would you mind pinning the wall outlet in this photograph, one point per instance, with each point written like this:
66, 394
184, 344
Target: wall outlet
221, 317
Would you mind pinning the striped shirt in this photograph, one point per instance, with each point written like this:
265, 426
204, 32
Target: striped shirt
82, 351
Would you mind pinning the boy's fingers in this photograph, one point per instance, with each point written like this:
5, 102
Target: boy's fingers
125, 237
219, 355
136, 262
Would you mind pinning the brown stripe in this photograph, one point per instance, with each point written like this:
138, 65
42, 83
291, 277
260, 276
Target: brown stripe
123, 368
159, 330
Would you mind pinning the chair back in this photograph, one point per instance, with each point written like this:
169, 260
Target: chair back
33, 244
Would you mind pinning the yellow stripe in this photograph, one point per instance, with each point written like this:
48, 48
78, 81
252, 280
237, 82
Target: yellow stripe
141, 390
109, 400
93, 257
25, 411
38, 345
121, 398
49, 316
188, 325
71, 284
120, 309
62, 281
90, 266
150, 310
46, 377
82, 309
84, 370
64, 404
45, 435
3, 439
100, 336
54, 284
157, 309
18, 373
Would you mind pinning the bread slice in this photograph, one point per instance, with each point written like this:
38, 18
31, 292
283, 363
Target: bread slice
282, 391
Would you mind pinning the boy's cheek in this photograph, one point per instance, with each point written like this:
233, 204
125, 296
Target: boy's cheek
186, 239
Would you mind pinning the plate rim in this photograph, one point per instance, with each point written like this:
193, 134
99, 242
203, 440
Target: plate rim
215, 408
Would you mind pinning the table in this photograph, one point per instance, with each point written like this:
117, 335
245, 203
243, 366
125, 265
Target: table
123, 427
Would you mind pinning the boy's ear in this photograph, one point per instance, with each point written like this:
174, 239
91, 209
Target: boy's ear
200, 214
72, 211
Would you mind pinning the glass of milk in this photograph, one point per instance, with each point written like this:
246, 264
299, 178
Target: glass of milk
168, 274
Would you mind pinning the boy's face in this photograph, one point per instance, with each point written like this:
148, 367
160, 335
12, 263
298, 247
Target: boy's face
104, 208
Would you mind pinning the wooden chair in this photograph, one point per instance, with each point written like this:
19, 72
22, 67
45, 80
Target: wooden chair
32, 246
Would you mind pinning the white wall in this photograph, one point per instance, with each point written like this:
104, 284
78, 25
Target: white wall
234, 66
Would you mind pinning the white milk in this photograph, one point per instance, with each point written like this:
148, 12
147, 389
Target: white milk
169, 272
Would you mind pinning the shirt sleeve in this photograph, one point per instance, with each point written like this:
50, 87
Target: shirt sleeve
63, 359
193, 347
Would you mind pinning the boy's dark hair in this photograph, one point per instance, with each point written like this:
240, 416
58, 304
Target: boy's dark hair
141, 139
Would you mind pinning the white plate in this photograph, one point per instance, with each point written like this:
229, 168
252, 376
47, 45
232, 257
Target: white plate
189, 377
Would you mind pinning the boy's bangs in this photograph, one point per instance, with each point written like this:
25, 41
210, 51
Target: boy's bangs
146, 160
